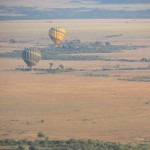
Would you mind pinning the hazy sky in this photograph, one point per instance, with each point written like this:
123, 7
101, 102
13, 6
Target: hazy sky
113, 5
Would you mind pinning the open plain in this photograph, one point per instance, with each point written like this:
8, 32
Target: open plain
72, 105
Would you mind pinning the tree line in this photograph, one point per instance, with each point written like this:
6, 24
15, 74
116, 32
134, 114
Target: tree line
76, 47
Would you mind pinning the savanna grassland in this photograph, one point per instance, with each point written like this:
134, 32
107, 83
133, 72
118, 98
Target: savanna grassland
105, 100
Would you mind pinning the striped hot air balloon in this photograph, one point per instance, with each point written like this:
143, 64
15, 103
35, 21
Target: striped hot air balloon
31, 57
57, 34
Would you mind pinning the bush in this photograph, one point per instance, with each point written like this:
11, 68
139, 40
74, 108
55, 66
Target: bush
40, 135
71, 144
20, 147
12, 41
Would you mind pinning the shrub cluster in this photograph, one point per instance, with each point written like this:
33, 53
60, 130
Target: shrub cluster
71, 144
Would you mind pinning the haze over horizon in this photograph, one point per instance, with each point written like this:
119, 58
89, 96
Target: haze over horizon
73, 9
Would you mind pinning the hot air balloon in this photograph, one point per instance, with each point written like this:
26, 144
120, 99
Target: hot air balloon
57, 35
31, 57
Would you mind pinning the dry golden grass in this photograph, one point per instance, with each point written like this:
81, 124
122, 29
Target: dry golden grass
72, 106
133, 31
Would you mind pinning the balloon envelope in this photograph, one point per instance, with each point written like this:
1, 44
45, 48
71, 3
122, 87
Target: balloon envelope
57, 34
31, 57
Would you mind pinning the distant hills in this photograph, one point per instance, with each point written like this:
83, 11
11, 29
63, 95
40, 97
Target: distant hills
75, 9
29, 13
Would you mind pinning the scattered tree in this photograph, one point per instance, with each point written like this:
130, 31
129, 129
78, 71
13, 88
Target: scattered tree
20, 147
40, 135
12, 41
107, 43
50, 65
42, 121
61, 66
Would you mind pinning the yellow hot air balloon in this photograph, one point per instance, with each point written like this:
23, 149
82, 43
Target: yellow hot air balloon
57, 34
